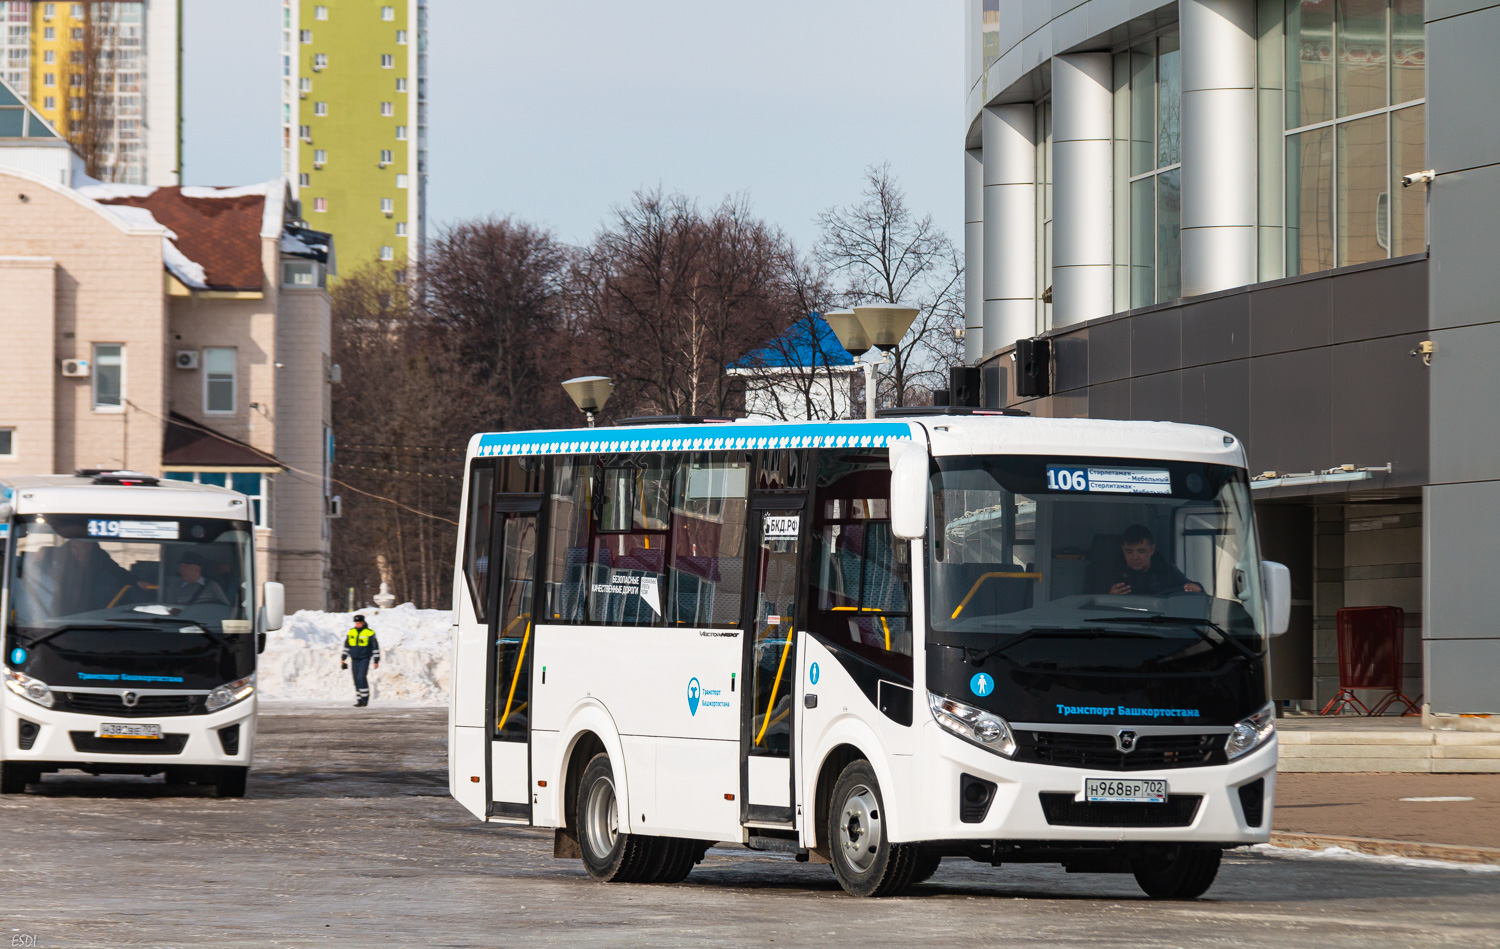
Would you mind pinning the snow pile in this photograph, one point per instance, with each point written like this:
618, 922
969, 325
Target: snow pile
301, 661
1356, 856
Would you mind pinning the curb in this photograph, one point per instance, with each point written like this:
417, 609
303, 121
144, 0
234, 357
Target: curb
1392, 848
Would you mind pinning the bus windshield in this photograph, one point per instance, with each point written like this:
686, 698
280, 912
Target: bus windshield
103, 592
1089, 564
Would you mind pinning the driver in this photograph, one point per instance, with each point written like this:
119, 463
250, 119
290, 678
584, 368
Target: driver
191, 586
1146, 572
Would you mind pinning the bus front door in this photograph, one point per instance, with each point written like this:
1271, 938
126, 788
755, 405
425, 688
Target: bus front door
770, 664
513, 551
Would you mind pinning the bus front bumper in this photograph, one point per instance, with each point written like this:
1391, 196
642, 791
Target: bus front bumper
70, 739
1040, 802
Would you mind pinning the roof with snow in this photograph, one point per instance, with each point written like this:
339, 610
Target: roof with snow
216, 231
809, 343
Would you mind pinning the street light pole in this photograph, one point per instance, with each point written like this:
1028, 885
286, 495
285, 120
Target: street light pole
873, 326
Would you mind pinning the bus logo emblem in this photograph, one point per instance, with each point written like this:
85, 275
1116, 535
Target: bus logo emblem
130, 699
1125, 740
695, 693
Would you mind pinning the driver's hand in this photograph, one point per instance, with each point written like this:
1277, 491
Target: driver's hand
1120, 589
1192, 588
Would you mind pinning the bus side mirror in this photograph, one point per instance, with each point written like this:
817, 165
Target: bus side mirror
908, 489
273, 612
1276, 587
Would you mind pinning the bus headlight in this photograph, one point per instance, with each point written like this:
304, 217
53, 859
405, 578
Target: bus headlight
1251, 733
230, 693
985, 729
28, 688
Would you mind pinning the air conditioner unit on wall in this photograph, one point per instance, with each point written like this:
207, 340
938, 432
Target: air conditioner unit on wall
187, 359
75, 368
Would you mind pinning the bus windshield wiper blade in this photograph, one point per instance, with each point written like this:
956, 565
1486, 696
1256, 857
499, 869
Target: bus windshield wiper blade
976, 658
1196, 625
115, 624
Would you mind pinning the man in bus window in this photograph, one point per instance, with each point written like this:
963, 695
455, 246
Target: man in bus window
191, 587
1145, 572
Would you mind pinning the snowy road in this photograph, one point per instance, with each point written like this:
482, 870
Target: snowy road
348, 838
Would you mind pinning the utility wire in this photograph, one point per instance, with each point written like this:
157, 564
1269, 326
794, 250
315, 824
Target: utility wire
271, 459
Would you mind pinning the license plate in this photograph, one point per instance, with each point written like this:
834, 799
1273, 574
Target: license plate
1125, 790
128, 730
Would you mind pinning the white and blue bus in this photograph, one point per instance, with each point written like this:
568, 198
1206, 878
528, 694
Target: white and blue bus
129, 629
874, 644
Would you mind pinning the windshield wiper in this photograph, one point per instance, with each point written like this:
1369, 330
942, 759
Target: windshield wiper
1196, 625
115, 623
977, 658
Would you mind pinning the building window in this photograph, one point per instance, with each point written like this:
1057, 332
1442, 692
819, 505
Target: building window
252, 484
49, 102
302, 273
320, 157
400, 133
1355, 91
7, 443
320, 60
320, 108
304, 180
320, 204
387, 206
109, 377
387, 253
304, 84
401, 84
401, 181
304, 132
49, 10
1151, 91
49, 79
386, 157
49, 33
76, 34
387, 109
387, 61
400, 228
400, 37
305, 36
388, 13
320, 12
218, 381
76, 11
50, 56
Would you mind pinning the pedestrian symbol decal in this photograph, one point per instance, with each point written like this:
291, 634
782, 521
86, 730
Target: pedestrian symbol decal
17, 656
695, 692
981, 684
812, 674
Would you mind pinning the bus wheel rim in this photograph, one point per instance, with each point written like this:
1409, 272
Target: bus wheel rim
860, 828
602, 822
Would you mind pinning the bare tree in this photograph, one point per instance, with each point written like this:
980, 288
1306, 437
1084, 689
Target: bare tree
878, 249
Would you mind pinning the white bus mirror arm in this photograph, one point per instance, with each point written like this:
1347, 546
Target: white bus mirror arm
908, 489
1276, 588
273, 612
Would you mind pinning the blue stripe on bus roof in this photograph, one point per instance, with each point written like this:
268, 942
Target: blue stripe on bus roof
719, 437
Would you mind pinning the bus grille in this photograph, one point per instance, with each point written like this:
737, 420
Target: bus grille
89, 743
146, 706
1178, 811
1151, 753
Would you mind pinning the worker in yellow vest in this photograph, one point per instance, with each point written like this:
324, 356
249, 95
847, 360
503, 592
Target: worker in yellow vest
360, 649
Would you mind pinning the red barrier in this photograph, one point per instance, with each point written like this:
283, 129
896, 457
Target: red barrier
1371, 641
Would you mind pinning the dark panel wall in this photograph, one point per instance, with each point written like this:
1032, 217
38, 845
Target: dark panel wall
1309, 372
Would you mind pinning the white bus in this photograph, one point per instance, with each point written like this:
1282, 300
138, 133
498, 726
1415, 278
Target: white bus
873, 644
127, 620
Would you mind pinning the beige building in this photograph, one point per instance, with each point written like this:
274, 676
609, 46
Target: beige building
182, 332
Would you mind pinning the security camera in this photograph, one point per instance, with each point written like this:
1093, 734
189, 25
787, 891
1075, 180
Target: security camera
1420, 177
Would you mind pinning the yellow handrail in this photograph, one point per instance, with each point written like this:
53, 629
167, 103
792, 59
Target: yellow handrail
765, 721
516, 677
975, 588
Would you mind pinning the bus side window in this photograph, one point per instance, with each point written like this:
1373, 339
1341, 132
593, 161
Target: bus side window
709, 521
567, 575
628, 553
477, 534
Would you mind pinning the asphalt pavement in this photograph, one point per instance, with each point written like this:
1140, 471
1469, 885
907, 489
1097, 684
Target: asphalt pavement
348, 838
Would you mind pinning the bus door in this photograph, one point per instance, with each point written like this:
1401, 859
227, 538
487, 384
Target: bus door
513, 555
776, 525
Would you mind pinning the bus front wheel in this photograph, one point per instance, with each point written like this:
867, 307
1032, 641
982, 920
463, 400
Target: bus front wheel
608, 854
14, 777
230, 781
864, 859
1177, 873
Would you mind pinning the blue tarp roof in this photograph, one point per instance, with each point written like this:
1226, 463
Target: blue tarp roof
807, 344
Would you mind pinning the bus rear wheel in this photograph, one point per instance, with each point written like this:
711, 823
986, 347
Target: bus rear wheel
609, 855
1177, 873
864, 859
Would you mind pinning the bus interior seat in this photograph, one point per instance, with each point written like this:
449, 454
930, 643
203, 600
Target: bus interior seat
145, 570
1105, 560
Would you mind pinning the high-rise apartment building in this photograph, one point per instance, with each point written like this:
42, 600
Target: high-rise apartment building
107, 75
354, 122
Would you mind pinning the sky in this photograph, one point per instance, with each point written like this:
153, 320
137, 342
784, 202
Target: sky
556, 111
